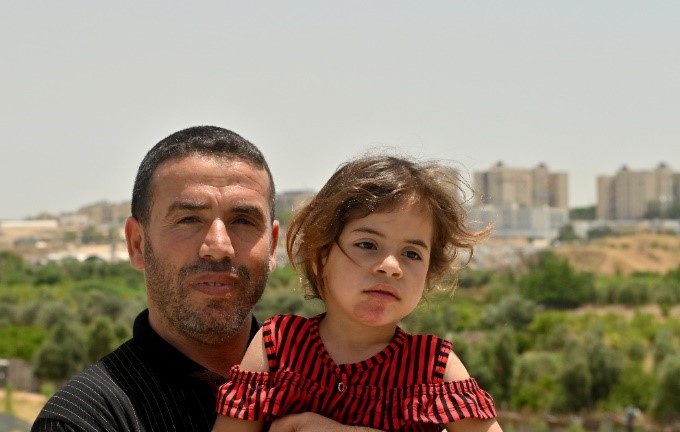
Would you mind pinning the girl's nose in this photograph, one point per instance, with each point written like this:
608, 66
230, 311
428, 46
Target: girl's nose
389, 266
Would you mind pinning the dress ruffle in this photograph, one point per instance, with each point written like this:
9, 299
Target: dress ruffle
266, 396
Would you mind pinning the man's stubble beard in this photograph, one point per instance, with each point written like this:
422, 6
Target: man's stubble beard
216, 320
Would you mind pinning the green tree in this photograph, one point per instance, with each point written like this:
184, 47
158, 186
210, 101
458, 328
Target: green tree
605, 364
635, 388
673, 212
574, 379
62, 354
49, 274
512, 310
664, 345
101, 339
96, 303
552, 281
582, 213
12, 269
567, 234
534, 383
21, 341
52, 312
673, 275
600, 232
468, 278
666, 405
501, 352
549, 330
7, 313
283, 277
654, 210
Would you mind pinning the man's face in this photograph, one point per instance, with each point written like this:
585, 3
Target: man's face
208, 246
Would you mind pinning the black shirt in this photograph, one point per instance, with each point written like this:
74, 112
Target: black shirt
145, 385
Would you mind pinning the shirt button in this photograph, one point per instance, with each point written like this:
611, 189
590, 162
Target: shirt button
341, 386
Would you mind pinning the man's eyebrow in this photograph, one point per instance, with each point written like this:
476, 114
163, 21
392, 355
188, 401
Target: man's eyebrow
241, 209
415, 242
187, 205
250, 210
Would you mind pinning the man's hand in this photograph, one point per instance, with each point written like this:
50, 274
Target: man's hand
311, 422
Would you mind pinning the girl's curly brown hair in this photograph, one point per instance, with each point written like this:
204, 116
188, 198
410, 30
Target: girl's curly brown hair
370, 184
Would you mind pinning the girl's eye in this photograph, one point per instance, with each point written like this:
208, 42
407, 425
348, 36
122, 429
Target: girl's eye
412, 255
365, 245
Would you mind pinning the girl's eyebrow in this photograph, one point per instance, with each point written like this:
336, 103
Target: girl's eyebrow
415, 242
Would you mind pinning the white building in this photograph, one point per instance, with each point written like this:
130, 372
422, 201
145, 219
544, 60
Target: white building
535, 222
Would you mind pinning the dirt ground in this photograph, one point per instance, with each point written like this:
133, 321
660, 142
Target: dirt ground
625, 254
25, 406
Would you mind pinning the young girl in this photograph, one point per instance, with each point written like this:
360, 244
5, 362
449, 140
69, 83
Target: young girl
379, 233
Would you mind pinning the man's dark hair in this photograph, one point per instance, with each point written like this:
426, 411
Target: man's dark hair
199, 140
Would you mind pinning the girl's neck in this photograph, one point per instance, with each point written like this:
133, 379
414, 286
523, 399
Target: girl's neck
349, 342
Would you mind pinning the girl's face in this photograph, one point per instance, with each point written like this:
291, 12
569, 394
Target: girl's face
377, 274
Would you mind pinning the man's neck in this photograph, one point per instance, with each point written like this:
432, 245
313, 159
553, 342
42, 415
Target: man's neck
215, 357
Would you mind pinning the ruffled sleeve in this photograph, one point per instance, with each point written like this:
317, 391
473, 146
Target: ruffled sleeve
446, 402
264, 395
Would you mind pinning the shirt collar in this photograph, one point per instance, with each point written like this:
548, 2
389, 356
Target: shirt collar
169, 359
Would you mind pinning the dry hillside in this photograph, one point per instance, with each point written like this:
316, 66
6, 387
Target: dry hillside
625, 254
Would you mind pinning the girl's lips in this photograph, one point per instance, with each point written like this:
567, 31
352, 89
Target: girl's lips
381, 295
385, 292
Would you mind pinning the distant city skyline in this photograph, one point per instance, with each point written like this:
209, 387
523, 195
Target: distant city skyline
88, 88
478, 189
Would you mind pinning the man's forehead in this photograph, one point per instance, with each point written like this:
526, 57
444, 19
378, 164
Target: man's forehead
206, 169
177, 166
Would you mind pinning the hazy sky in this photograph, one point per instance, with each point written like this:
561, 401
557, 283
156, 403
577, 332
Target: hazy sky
86, 88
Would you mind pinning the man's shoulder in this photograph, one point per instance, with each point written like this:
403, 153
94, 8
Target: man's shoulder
94, 399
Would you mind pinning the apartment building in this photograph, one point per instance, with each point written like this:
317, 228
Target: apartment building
502, 186
530, 203
630, 194
511, 220
106, 214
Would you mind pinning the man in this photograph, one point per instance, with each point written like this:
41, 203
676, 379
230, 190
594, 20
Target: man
203, 230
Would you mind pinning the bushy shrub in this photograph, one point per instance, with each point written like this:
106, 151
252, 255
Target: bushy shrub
551, 281
534, 381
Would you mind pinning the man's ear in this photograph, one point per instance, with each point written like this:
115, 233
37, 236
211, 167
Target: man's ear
134, 236
274, 242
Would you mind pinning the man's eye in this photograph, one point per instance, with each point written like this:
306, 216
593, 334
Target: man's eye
189, 220
244, 221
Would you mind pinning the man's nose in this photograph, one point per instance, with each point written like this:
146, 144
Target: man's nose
217, 244
389, 265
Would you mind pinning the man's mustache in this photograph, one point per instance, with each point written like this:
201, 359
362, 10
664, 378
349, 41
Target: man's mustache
215, 267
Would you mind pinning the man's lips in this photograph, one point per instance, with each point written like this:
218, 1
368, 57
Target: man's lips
214, 283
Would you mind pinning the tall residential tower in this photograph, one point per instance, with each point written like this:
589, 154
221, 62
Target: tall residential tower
632, 194
534, 187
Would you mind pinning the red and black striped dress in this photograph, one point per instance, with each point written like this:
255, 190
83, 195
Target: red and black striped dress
401, 388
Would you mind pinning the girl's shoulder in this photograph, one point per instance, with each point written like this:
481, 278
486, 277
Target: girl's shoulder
423, 341
288, 320
429, 352
279, 328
